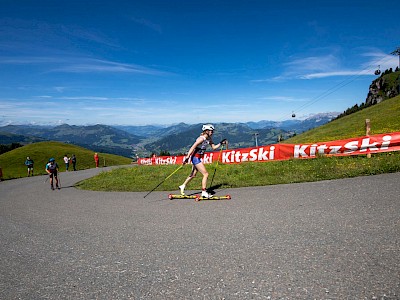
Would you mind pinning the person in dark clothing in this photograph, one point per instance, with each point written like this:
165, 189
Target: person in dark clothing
29, 163
52, 170
73, 161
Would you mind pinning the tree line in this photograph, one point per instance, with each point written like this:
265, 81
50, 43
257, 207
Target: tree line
6, 148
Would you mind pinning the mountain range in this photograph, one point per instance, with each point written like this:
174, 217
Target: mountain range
130, 141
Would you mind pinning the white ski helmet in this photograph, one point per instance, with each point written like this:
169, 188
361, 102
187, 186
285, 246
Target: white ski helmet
208, 127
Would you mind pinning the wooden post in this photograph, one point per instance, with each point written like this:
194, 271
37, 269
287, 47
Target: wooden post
367, 127
367, 132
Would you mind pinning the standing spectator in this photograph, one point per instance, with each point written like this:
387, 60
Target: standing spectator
52, 170
29, 164
73, 160
66, 161
96, 159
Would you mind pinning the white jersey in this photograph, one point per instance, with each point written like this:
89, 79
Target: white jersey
203, 146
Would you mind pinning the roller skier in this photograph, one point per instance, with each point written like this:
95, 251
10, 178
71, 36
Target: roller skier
196, 154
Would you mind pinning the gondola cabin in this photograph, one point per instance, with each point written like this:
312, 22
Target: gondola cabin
378, 71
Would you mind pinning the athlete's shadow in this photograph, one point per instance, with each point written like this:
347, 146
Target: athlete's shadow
67, 187
212, 189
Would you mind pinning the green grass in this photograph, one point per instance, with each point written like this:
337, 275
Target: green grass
12, 162
384, 118
145, 178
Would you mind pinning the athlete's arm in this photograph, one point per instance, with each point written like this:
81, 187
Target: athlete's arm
218, 145
198, 141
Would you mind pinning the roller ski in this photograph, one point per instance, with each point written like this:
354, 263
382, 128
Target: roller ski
204, 194
198, 197
201, 198
174, 196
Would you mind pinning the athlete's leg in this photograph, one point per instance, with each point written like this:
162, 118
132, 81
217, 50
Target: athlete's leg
191, 176
188, 179
51, 181
202, 169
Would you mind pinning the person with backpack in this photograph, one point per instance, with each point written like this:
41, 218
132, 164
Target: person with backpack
29, 163
73, 161
52, 170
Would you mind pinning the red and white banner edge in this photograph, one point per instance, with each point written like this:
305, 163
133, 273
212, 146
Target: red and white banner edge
379, 143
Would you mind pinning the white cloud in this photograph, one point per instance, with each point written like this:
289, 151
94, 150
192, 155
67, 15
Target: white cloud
379, 59
81, 65
96, 66
324, 66
313, 63
332, 74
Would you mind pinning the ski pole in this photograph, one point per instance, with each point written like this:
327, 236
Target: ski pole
59, 180
164, 180
219, 154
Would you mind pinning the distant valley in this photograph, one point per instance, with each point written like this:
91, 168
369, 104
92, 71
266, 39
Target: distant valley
130, 141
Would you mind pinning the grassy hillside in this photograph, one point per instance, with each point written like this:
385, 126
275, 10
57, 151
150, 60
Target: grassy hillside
384, 118
12, 163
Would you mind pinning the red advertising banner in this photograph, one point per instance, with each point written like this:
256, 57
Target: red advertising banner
354, 146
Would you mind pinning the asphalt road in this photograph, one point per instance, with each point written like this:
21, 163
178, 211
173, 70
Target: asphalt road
335, 239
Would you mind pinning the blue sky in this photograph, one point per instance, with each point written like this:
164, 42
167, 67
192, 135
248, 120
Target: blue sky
164, 62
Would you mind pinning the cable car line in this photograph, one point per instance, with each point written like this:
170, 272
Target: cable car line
338, 86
